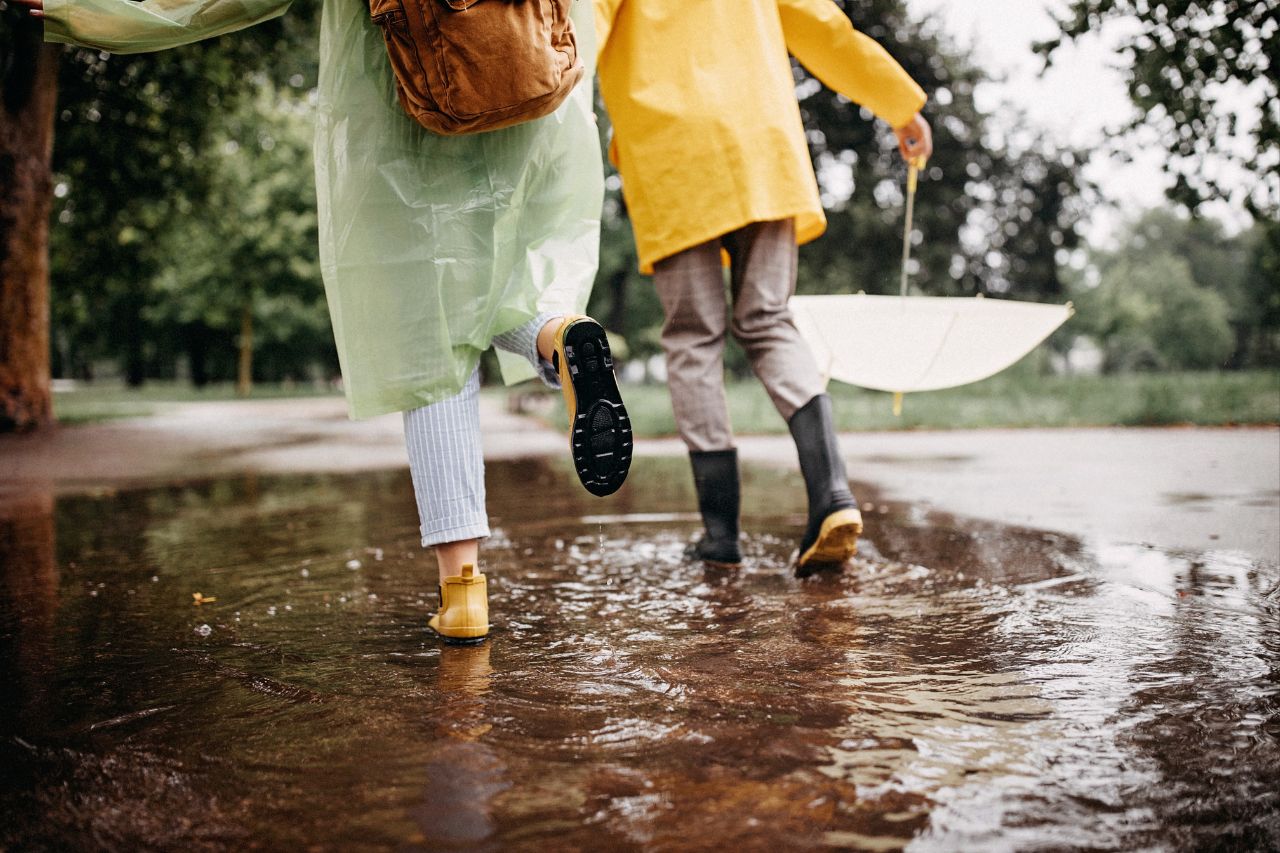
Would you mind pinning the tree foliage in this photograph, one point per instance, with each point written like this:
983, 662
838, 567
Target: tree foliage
1179, 294
250, 245
131, 159
1186, 62
991, 217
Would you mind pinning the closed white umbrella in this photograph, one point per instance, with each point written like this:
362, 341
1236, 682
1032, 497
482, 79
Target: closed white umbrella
919, 343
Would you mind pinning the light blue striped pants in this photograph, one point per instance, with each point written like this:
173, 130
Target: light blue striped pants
445, 455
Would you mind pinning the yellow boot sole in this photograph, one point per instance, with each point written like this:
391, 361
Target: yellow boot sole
837, 541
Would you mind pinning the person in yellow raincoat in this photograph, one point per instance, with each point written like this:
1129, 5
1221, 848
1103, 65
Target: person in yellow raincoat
710, 145
432, 249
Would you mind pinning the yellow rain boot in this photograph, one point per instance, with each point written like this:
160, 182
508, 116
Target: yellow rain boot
599, 429
464, 608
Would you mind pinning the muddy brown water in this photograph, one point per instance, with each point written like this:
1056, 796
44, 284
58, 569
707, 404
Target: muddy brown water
961, 686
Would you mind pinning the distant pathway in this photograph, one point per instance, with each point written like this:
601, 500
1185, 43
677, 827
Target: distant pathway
1201, 489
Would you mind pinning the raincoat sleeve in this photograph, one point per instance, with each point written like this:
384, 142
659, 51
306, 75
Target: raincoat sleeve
824, 40
125, 26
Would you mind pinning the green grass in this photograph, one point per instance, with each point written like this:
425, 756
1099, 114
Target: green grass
1009, 400
88, 403
1015, 398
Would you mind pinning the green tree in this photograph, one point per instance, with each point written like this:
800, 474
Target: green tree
1181, 58
1150, 310
1262, 293
129, 161
249, 278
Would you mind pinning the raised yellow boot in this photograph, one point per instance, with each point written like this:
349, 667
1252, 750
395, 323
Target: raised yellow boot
463, 616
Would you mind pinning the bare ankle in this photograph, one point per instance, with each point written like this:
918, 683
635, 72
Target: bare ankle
452, 556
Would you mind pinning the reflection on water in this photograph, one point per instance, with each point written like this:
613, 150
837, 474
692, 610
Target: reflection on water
964, 686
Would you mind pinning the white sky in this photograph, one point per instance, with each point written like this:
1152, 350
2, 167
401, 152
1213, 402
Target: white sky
1080, 95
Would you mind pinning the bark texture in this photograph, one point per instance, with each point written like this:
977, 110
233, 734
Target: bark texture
28, 89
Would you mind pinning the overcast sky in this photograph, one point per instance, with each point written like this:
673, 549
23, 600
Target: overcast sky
1076, 99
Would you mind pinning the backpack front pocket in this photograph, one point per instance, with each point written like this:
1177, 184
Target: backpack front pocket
476, 76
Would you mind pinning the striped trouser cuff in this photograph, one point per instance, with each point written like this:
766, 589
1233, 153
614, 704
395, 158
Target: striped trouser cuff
447, 465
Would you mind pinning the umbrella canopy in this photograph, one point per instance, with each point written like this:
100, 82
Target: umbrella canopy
920, 343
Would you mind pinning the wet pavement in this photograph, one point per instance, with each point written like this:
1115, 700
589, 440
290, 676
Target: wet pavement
962, 685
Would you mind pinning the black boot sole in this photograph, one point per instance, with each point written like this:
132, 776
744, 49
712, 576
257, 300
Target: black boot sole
459, 641
600, 434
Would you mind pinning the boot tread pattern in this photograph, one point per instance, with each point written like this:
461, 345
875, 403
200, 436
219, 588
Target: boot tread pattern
600, 439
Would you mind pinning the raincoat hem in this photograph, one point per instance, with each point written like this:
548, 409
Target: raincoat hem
373, 406
810, 225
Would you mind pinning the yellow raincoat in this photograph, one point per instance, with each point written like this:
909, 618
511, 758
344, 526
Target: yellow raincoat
707, 130
429, 245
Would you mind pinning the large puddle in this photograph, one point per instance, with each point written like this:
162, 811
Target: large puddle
963, 686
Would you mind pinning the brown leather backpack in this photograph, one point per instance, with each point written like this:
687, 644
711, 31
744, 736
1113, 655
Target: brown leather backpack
464, 66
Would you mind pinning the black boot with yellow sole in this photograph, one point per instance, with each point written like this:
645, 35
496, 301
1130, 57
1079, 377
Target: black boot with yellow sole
834, 521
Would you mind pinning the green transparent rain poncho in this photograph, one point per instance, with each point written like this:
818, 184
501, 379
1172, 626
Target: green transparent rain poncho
429, 245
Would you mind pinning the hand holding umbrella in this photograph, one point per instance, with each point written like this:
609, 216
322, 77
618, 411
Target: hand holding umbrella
915, 140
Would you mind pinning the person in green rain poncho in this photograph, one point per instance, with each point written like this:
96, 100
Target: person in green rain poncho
432, 248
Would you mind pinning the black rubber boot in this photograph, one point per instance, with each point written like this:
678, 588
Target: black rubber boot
834, 521
715, 476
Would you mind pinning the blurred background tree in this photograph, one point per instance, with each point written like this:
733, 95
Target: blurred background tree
247, 299
1182, 57
1190, 66
1179, 294
136, 155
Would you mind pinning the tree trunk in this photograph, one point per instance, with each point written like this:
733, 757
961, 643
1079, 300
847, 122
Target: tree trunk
132, 334
197, 340
28, 88
244, 382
